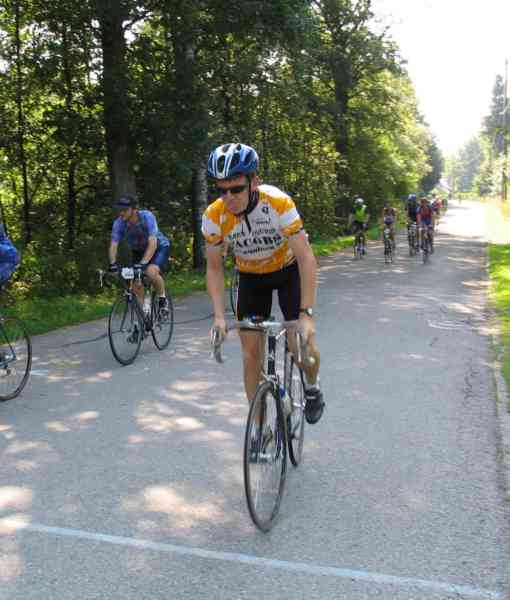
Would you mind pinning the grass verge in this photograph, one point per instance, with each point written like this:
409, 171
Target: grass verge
499, 271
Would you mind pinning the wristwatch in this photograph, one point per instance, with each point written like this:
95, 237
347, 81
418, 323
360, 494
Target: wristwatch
308, 311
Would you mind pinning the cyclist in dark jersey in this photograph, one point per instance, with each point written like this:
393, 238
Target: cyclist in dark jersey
412, 206
149, 247
9, 257
425, 217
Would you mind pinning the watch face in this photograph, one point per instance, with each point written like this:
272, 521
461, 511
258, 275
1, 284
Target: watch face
307, 311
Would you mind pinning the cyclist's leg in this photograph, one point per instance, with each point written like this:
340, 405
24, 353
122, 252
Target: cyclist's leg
289, 297
255, 297
155, 270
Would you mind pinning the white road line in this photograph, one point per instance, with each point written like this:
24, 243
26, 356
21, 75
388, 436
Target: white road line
462, 591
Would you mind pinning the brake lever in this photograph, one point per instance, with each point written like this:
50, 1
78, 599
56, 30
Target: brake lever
216, 342
303, 357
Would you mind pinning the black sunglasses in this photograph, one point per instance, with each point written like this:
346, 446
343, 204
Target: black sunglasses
237, 189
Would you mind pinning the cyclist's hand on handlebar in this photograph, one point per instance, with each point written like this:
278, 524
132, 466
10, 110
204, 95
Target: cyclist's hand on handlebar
218, 331
306, 326
139, 269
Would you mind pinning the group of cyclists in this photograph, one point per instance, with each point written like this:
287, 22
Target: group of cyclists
265, 231
422, 212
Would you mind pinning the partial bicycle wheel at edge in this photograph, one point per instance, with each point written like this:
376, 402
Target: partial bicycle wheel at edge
296, 419
162, 326
125, 330
265, 457
15, 357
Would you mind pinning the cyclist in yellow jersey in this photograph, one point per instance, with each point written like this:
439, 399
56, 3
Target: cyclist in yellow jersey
272, 252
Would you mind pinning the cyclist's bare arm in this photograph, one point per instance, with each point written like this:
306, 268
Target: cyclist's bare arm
112, 252
307, 264
216, 281
151, 248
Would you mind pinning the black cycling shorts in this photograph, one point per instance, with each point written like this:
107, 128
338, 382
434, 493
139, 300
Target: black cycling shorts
159, 258
256, 293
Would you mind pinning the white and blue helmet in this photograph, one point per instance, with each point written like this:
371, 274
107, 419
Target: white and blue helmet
230, 160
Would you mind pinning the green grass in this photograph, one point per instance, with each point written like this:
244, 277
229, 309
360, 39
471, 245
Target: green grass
499, 271
46, 314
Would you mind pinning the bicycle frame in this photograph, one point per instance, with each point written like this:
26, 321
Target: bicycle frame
128, 284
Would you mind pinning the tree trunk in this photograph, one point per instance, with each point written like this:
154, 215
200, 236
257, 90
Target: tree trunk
191, 102
198, 204
21, 130
115, 92
71, 159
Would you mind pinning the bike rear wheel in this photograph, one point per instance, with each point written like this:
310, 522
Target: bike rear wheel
265, 456
296, 419
388, 252
425, 251
162, 326
234, 290
15, 357
125, 329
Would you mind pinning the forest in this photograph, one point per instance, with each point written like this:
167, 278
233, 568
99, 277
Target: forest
101, 97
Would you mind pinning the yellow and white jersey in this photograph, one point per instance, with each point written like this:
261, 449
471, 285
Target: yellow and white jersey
258, 239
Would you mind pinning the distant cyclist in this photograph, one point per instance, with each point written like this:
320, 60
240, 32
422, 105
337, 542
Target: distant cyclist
412, 205
425, 218
358, 220
9, 257
388, 218
436, 207
150, 248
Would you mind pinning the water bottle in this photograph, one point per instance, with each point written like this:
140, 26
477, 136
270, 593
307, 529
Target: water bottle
147, 304
285, 400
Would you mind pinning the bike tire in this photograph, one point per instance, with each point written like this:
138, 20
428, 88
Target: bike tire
16, 357
124, 317
162, 329
234, 290
425, 253
264, 472
296, 420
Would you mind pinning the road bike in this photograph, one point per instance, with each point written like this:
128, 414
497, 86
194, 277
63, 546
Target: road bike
15, 357
129, 323
412, 238
359, 244
388, 245
275, 422
427, 244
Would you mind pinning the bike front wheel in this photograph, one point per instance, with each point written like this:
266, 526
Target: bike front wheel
265, 456
125, 330
15, 357
162, 323
296, 419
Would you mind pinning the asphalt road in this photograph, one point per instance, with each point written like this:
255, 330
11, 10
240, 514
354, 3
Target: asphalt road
126, 482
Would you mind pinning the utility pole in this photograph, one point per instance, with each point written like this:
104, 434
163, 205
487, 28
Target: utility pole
504, 191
